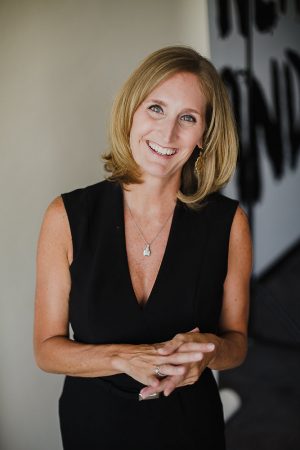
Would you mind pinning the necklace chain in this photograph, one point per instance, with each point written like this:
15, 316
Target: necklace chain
147, 249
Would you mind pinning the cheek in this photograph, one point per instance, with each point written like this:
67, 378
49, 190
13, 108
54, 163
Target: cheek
194, 140
138, 132
141, 125
134, 134
198, 138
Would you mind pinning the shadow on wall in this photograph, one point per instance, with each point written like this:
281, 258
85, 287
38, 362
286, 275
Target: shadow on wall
277, 119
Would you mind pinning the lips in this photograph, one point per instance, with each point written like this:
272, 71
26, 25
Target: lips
163, 151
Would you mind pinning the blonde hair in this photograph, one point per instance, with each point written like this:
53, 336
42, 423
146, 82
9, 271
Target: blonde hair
220, 137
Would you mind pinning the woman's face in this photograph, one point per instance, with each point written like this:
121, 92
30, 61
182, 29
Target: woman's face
168, 125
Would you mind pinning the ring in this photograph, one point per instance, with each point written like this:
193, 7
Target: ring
158, 373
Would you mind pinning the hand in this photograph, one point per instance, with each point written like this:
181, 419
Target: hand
185, 342
140, 361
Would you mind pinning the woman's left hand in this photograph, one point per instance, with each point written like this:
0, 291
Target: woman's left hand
183, 342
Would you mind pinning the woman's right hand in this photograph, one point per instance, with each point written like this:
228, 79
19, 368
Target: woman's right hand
140, 362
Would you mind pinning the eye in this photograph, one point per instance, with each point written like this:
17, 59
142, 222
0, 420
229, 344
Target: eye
156, 109
188, 118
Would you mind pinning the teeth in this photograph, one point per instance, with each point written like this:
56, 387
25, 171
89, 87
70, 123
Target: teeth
160, 150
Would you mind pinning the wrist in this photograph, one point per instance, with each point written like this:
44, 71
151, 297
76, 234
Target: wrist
218, 342
113, 359
119, 358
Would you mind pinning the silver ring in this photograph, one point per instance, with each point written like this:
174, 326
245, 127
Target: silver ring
158, 373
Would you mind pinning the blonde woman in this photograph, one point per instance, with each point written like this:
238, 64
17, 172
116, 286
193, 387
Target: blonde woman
151, 267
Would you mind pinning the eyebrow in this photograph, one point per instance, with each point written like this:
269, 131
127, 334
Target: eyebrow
162, 103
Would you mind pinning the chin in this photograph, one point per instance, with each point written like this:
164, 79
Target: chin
159, 174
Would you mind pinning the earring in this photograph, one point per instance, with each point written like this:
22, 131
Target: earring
199, 164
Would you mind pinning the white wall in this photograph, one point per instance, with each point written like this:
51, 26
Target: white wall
61, 63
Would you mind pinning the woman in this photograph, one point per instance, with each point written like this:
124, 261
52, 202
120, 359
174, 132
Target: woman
151, 267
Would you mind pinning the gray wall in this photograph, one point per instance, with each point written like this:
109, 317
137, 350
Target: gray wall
277, 215
61, 63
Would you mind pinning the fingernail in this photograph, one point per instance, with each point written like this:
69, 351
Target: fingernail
211, 346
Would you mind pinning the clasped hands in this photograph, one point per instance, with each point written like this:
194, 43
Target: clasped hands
181, 360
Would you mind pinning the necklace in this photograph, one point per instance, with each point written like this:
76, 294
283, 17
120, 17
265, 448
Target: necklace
147, 249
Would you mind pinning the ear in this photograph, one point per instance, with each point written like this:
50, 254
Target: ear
200, 142
199, 145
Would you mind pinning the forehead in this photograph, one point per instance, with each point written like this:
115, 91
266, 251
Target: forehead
181, 87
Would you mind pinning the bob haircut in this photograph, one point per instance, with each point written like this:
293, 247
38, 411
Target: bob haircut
220, 137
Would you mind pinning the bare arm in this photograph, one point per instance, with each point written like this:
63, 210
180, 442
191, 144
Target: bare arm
54, 351
231, 345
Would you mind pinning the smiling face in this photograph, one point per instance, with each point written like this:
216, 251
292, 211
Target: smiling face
168, 125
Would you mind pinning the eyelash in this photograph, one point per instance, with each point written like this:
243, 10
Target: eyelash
192, 117
155, 108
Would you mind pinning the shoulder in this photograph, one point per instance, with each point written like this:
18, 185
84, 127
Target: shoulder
240, 243
219, 208
237, 221
67, 208
221, 201
55, 235
90, 190
66, 215
88, 196
240, 220
239, 224
240, 229
55, 215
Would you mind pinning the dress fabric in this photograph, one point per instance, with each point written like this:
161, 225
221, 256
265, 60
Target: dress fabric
104, 412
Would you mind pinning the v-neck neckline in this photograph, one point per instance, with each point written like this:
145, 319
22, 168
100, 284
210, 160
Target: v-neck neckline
164, 262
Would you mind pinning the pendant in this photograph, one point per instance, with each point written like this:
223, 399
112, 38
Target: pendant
147, 251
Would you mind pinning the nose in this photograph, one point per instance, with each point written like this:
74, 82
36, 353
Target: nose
169, 131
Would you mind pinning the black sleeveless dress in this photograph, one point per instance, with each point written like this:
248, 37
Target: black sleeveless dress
104, 412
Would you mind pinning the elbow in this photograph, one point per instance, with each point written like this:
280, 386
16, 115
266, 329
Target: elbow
241, 359
42, 365
242, 354
43, 358
42, 361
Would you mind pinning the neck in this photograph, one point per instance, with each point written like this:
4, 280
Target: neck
152, 197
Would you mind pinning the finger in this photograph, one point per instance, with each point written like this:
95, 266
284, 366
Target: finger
204, 347
173, 345
175, 382
169, 347
170, 369
149, 390
153, 381
182, 358
171, 381
171, 384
